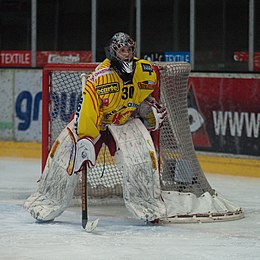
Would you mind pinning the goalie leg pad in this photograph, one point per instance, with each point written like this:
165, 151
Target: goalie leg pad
136, 157
56, 187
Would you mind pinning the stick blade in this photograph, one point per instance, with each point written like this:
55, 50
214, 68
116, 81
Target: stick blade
91, 225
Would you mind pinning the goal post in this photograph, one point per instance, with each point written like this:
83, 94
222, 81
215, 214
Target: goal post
48, 92
185, 189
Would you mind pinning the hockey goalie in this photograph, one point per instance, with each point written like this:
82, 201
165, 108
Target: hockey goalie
116, 108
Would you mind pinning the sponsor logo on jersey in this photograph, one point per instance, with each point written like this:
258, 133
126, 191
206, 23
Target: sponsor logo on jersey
131, 104
147, 67
120, 118
144, 85
99, 73
107, 88
110, 114
105, 101
114, 111
116, 119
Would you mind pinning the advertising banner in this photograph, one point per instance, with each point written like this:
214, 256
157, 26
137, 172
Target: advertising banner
224, 110
6, 105
153, 56
24, 58
242, 56
225, 113
168, 56
176, 56
28, 105
21, 105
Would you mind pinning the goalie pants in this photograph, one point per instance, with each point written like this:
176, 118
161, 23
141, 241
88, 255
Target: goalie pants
107, 139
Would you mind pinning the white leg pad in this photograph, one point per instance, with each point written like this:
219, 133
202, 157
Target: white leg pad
136, 157
56, 186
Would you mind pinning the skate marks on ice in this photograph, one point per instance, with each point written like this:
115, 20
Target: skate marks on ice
118, 235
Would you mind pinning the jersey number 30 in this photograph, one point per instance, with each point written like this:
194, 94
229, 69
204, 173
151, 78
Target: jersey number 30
128, 92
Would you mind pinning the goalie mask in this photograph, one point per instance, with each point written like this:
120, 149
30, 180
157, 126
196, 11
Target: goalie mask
121, 50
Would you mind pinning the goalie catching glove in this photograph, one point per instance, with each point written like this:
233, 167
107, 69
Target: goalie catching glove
152, 114
83, 152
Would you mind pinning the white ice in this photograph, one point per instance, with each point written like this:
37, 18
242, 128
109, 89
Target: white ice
118, 235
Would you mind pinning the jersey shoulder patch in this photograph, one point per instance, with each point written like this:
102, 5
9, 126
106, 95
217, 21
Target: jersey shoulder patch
146, 74
145, 65
101, 70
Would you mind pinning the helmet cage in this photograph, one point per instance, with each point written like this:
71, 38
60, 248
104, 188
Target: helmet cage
118, 41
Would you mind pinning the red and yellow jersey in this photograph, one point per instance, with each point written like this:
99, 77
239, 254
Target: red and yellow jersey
108, 100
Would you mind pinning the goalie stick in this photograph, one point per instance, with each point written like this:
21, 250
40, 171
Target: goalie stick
87, 225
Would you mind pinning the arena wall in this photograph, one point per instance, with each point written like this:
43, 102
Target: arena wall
223, 109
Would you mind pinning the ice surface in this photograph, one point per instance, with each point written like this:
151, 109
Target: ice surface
118, 235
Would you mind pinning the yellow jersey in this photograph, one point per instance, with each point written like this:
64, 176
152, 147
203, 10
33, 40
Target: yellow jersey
107, 99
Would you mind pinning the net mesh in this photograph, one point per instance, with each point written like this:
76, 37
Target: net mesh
179, 167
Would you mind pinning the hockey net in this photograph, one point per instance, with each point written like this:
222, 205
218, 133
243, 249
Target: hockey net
181, 176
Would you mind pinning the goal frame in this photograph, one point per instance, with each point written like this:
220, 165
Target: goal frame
205, 195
